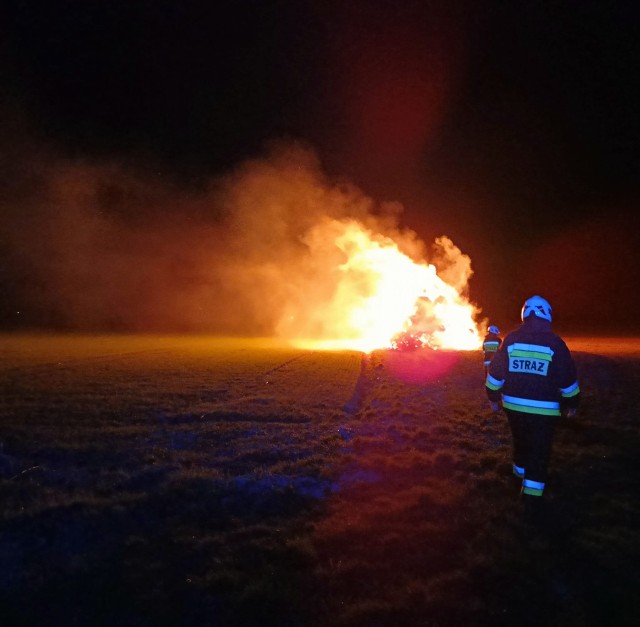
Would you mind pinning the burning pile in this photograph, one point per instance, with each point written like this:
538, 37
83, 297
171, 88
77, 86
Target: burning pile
381, 298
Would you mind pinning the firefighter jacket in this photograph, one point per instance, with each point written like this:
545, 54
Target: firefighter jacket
533, 371
490, 346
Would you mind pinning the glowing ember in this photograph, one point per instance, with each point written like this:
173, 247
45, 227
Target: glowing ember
380, 297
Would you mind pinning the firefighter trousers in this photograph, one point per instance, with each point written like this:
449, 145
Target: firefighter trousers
532, 439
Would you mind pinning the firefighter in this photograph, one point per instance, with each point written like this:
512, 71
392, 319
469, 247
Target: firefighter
490, 345
533, 379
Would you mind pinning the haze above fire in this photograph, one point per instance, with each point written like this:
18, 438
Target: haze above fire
275, 247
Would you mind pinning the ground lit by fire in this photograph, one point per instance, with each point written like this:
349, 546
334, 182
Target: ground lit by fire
175, 478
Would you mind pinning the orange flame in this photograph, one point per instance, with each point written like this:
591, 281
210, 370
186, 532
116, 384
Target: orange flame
380, 298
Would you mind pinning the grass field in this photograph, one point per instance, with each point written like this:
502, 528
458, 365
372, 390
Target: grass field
210, 481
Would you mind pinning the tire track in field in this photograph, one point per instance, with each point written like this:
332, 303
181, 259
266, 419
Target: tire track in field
354, 404
250, 390
284, 364
308, 386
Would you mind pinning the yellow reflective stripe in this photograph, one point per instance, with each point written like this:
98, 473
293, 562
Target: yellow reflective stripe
529, 402
530, 410
534, 488
572, 390
494, 384
530, 354
536, 348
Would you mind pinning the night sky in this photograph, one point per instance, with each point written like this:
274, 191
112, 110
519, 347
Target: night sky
512, 127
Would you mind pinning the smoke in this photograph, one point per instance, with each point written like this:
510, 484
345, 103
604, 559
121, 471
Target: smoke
92, 247
454, 267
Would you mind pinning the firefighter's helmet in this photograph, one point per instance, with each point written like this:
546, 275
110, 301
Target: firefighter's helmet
494, 329
538, 306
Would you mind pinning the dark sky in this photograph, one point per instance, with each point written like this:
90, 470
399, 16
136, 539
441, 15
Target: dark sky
512, 126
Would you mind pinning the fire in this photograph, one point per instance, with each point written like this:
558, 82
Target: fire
379, 297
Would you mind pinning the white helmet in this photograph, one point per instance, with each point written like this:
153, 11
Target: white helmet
538, 306
494, 329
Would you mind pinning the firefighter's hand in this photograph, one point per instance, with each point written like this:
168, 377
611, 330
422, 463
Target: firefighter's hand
570, 413
495, 406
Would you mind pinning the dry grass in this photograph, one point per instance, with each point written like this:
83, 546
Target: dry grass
201, 481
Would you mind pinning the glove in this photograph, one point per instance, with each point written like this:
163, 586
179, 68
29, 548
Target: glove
570, 413
495, 406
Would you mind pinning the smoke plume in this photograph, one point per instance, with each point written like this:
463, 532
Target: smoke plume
92, 247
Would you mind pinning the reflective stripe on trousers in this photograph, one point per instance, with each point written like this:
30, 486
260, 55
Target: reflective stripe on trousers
532, 488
